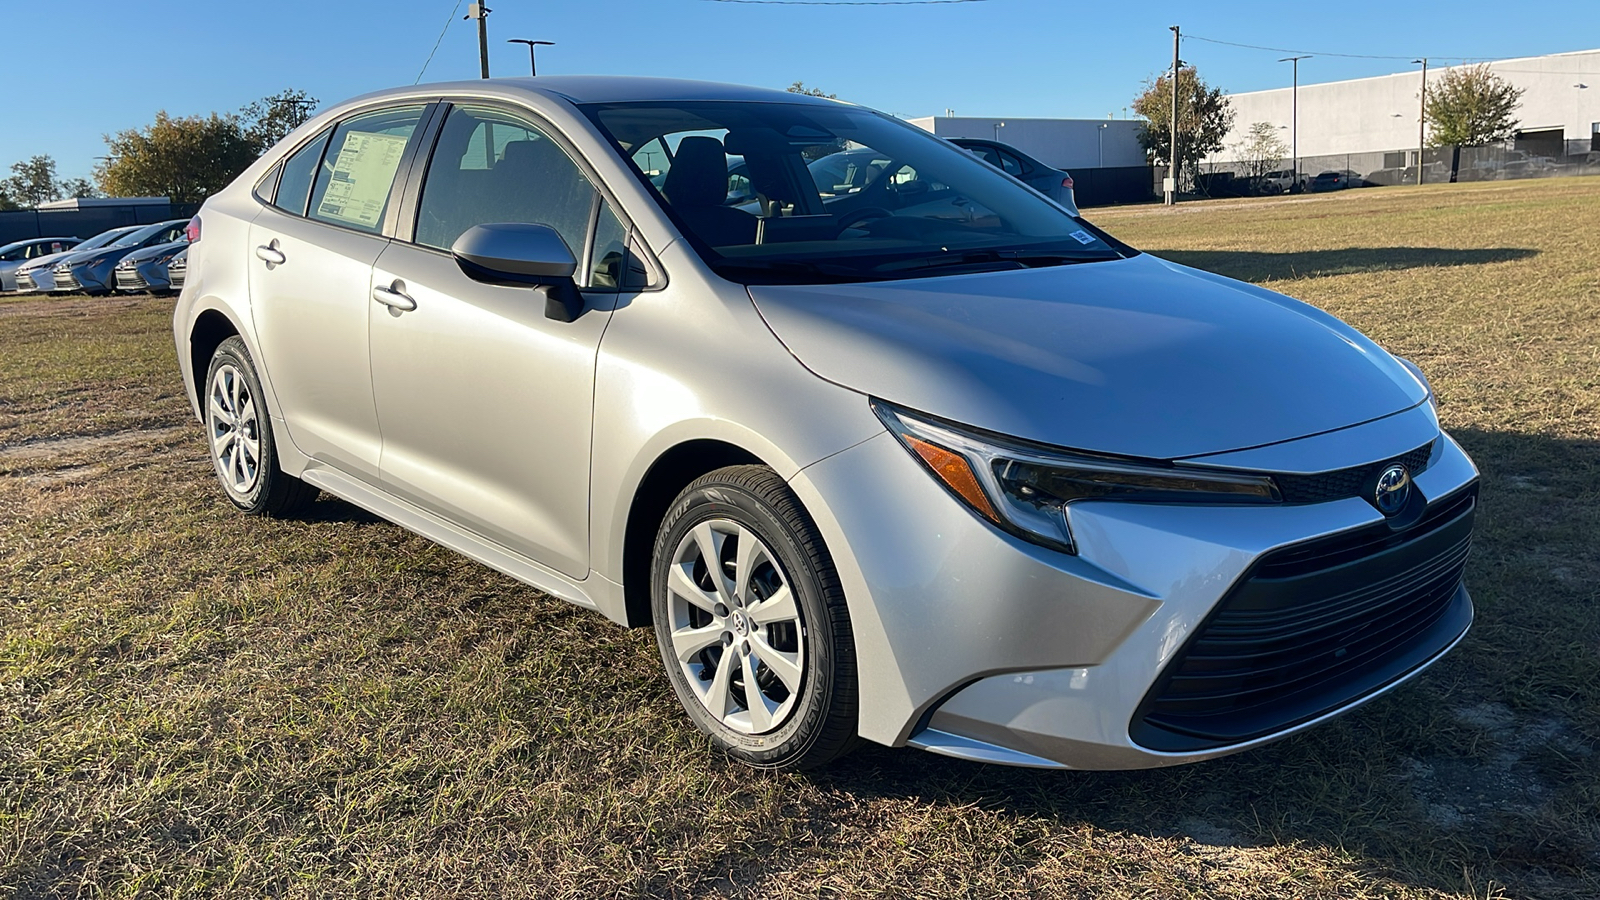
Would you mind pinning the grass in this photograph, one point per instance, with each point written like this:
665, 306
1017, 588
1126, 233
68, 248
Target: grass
197, 704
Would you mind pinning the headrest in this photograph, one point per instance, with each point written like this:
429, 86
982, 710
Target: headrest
699, 173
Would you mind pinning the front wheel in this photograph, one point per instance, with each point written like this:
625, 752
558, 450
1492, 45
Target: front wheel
240, 435
752, 623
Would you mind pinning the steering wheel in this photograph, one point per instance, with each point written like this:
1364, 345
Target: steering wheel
849, 219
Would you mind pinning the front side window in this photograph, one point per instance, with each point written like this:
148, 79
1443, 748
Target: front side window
359, 167
491, 166
807, 193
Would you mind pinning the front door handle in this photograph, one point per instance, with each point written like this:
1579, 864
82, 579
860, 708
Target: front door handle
394, 297
270, 254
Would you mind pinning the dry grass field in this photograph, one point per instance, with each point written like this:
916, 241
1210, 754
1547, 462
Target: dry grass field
197, 704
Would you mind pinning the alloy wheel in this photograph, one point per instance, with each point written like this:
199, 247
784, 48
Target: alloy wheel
234, 430
736, 628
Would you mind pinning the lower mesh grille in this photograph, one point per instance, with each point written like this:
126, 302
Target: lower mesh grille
1313, 627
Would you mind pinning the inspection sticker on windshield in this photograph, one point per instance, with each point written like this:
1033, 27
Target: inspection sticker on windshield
1082, 237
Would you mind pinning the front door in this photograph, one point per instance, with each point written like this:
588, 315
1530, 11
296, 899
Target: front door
311, 283
485, 404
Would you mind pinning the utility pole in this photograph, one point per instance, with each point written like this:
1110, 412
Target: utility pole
481, 12
1422, 116
1170, 189
533, 65
1294, 121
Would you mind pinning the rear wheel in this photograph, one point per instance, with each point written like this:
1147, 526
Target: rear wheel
239, 432
752, 624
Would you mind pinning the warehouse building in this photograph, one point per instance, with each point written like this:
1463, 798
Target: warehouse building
1558, 119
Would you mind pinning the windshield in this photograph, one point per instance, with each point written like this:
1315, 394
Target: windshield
781, 192
102, 239
137, 237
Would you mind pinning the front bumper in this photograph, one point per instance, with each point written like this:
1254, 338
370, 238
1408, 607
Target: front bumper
36, 280
131, 280
976, 644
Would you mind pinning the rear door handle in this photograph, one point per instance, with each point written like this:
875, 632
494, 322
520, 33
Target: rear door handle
270, 254
394, 297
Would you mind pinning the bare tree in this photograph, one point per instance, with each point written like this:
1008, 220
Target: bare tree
1261, 151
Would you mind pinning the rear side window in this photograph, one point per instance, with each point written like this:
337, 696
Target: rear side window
1011, 164
357, 173
294, 184
492, 166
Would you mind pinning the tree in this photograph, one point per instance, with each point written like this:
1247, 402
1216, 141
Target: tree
185, 159
33, 182
1471, 106
1262, 150
267, 120
1204, 119
799, 87
77, 187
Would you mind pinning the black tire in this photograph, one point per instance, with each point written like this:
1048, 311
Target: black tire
821, 724
271, 492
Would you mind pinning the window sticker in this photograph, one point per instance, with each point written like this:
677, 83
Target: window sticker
1082, 237
362, 177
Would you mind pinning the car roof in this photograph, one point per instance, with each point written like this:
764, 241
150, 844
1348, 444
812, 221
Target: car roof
617, 89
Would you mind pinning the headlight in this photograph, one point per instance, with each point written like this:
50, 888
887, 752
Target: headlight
1029, 490
1413, 368
81, 263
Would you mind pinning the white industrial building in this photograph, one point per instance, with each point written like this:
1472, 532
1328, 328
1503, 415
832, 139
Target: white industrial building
1559, 115
1071, 144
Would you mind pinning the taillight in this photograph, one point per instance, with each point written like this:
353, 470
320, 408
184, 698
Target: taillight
1067, 182
192, 230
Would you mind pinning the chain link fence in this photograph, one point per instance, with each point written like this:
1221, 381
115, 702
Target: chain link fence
1440, 165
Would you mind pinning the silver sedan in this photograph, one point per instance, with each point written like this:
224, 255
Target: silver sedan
936, 464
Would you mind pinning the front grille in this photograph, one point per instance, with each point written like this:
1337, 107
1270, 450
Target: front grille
1356, 481
1313, 627
129, 280
175, 276
65, 281
25, 281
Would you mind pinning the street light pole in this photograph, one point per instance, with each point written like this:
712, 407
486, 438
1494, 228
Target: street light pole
481, 12
997, 127
1101, 132
1171, 192
533, 65
1422, 116
1294, 120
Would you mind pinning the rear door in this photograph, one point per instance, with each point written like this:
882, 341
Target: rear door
485, 404
311, 261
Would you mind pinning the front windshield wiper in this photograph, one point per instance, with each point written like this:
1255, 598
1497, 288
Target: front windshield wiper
980, 257
791, 268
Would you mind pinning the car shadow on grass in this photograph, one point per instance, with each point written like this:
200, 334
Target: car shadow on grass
1484, 764
1259, 266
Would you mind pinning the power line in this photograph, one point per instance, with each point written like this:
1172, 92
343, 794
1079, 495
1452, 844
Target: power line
1196, 37
845, 2
447, 21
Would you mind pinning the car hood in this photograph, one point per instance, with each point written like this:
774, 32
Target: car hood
1138, 357
153, 252
49, 259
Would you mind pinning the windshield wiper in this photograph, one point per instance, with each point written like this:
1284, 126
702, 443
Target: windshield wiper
791, 268
1021, 258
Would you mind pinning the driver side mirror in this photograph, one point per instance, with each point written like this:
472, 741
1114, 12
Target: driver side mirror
522, 255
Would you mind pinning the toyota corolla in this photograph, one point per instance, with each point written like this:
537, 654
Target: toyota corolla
937, 464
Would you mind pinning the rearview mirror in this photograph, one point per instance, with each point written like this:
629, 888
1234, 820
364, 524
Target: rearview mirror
522, 255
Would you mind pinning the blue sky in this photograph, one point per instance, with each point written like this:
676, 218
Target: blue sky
112, 65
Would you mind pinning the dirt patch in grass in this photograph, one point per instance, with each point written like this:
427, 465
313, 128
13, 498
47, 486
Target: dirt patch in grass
193, 703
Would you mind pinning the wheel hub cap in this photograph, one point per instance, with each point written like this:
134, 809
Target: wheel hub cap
234, 429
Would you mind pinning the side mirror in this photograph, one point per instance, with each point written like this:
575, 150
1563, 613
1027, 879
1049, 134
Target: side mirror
520, 255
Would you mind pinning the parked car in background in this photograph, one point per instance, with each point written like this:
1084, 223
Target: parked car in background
90, 270
39, 274
1283, 181
1051, 182
146, 269
15, 255
929, 461
178, 269
1335, 181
